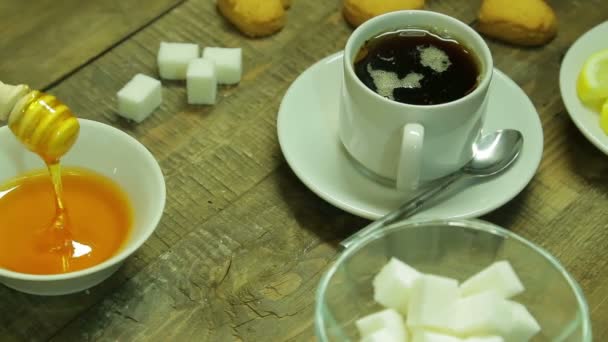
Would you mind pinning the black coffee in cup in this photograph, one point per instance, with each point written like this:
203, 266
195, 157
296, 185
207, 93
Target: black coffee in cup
417, 66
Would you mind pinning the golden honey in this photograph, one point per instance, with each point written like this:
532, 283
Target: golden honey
53, 221
98, 218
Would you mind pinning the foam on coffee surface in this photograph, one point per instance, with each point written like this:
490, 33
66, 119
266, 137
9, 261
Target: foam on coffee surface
416, 66
434, 58
386, 82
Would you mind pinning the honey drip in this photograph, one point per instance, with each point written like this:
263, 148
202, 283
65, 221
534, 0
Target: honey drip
48, 128
55, 220
60, 233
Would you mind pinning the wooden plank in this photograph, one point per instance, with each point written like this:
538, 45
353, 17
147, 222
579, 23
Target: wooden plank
44, 40
243, 243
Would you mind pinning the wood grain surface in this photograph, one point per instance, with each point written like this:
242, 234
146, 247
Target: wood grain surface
43, 41
243, 243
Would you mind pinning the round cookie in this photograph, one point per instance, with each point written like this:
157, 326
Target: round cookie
521, 22
252, 17
356, 12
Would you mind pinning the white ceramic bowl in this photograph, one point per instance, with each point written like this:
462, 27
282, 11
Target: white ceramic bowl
110, 152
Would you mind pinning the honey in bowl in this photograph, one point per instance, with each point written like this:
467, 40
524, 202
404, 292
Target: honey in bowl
52, 221
97, 222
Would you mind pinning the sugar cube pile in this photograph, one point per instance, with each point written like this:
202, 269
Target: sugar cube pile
382, 335
139, 97
431, 297
218, 65
181, 61
430, 336
228, 63
499, 277
201, 81
388, 320
430, 308
173, 59
393, 285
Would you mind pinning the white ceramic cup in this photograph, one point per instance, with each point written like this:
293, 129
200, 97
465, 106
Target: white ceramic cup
403, 144
114, 154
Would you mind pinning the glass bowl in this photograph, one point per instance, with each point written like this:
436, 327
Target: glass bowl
457, 249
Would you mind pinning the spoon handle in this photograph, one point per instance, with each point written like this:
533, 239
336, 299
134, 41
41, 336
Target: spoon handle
407, 209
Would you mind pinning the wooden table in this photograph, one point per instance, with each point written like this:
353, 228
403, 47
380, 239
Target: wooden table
243, 243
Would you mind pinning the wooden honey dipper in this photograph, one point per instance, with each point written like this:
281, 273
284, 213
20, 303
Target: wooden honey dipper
42, 123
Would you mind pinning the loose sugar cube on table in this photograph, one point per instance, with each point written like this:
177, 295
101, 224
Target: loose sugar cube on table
389, 320
393, 284
228, 63
382, 335
201, 82
428, 336
139, 97
487, 313
430, 301
173, 59
499, 277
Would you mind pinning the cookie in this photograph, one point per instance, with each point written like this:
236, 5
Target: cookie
356, 12
252, 17
520, 22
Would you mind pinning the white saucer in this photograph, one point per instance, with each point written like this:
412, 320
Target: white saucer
307, 126
585, 119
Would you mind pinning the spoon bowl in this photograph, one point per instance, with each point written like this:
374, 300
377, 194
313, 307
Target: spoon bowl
492, 154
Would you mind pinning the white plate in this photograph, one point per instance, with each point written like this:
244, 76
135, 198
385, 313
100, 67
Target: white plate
584, 118
307, 126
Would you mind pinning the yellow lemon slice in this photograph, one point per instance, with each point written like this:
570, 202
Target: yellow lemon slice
592, 85
604, 117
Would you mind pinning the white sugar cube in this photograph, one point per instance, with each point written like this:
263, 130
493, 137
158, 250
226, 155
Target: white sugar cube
482, 314
523, 325
139, 97
389, 320
499, 277
201, 82
173, 59
430, 301
382, 335
393, 284
428, 336
485, 339
228, 63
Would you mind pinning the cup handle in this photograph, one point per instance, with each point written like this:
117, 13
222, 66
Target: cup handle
410, 158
